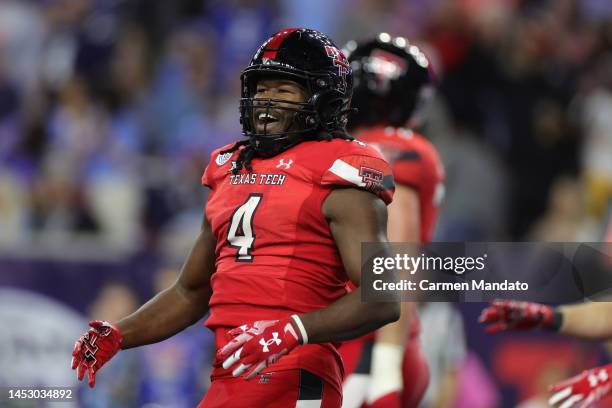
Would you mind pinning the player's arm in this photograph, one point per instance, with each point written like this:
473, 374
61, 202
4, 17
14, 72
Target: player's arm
354, 216
171, 311
180, 305
587, 321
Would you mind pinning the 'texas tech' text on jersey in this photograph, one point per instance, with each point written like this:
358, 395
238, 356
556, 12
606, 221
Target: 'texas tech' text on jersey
275, 253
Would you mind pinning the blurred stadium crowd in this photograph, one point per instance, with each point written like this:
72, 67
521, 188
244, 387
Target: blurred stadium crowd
109, 110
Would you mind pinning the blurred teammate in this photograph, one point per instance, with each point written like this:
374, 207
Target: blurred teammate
285, 218
588, 321
393, 80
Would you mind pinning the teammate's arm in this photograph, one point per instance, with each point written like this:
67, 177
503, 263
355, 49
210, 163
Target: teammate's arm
404, 215
354, 217
387, 353
587, 321
403, 226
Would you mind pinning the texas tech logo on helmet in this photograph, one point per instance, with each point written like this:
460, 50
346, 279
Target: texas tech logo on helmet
339, 60
372, 178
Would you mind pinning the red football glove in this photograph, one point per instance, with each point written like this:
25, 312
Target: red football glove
503, 315
93, 349
586, 388
260, 344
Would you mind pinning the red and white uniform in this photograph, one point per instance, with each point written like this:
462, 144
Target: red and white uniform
415, 163
275, 253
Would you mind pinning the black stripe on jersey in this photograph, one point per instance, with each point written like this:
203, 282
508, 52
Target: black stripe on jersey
365, 358
311, 386
409, 155
388, 182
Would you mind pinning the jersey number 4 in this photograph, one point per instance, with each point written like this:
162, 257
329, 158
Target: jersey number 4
240, 234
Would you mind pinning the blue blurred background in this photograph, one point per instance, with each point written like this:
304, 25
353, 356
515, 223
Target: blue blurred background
109, 110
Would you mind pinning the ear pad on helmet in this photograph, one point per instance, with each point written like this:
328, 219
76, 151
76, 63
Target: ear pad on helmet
327, 105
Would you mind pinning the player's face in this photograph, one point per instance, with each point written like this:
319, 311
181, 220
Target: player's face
274, 120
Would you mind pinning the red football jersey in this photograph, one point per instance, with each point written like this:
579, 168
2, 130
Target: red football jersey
415, 163
275, 253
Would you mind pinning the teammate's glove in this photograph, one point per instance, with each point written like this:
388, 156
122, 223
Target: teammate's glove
257, 345
586, 388
93, 349
503, 315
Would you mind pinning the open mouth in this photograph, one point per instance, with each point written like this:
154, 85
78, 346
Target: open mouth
266, 118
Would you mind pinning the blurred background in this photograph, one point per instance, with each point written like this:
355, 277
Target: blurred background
109, 110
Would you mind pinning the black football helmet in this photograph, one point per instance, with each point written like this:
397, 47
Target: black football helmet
311, 59
393, 81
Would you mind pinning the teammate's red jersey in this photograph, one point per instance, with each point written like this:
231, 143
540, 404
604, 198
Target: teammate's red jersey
415, 163
275, 253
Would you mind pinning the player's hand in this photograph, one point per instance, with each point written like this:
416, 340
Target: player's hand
94, 348
257, 345
503, 315
584, 389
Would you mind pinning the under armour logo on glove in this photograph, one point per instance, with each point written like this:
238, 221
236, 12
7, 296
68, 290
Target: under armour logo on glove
252, 351
584, 389
273, 340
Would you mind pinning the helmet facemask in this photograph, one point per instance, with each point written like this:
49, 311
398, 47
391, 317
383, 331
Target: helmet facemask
310, 59
310, 117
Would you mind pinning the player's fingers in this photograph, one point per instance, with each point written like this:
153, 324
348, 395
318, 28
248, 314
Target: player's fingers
255, 370
96, 324
237, 330
77, 347
496, 328
565, 383
81, 370
240, 369
91, 376
589, 401
232, 346
489, 315
560, 395
572, 401
228, 362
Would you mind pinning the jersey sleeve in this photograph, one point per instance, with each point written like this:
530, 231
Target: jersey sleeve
208, 178
217, 161
365, 172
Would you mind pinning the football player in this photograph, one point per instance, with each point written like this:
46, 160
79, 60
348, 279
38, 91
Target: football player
393, 82
587, 321
288, 209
